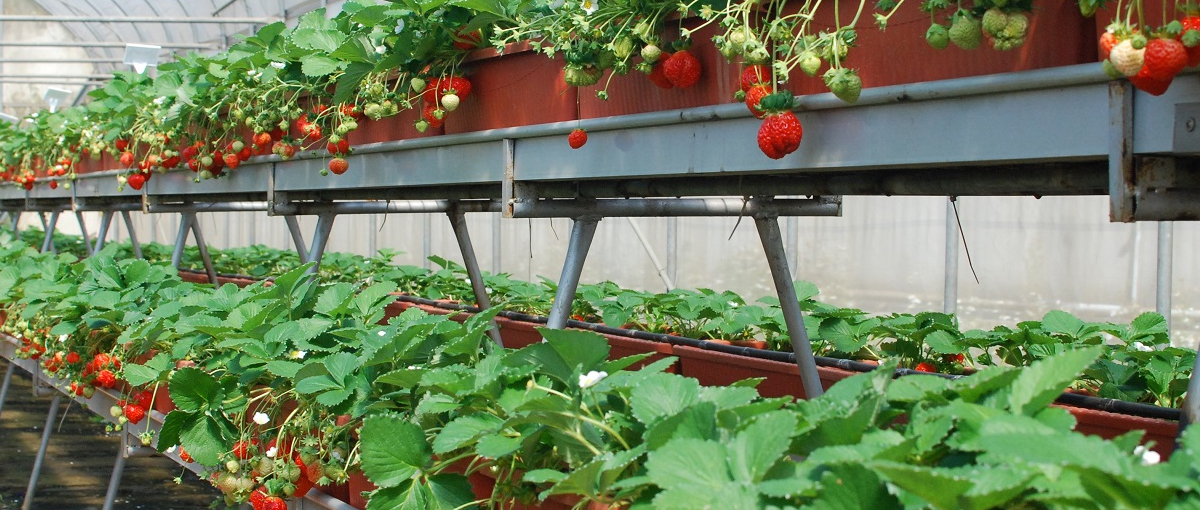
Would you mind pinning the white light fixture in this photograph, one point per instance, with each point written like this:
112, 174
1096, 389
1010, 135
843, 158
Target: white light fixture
141, 56
54, 97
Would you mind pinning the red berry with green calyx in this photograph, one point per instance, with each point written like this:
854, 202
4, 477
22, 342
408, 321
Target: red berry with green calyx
754, 97
925, 367
136, 180
755, 75
1164, 58
232, 161
577, 138
781, 132
274, 503
338, 166
127, 159
134, 413
682, 69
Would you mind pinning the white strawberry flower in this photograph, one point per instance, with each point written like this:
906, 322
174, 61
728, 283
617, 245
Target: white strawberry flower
1149, 457
591, 378
278, 65
261, 418
381, 49
297, 354
63, 338
272, 452
590, 6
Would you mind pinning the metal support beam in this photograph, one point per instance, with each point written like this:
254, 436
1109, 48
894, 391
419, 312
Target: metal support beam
114, 481
950, 291
48, 242
104, 44
106, 218
1120, 151
133, 240
1166, 256
7, 381
458, 222
204, 256
641, 207
11, 18
83, 233
320, 239
772, 241
658, 266
582, 233
27, 504
293, 225
185, 226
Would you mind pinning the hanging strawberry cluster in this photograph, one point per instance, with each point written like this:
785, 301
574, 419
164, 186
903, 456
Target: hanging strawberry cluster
1150, 57
1002, 24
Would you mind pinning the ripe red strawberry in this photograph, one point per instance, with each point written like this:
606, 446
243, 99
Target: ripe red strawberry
121, 144
1164, 58
1191, 22
447, 85
1149, 84
53, 184
72, 357
127, 159
257, 497
577, 138
189, 152
193, 165
262, 140
781, 132
754, 97
245, 153
144, 398
350, 110
925, 367
134, 413
682, 69
342, 147
183, 455
1107, 41
241, 450
170, 162
658, 77
136, 180
232, 161
468, 40
429, 113
754, 75
105, 379
274, 503
338, 166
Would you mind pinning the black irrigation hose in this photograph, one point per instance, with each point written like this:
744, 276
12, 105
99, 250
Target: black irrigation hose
1071, 399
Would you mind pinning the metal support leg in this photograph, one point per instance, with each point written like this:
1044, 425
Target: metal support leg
114, 481
768, 231
1166, 248
41, 454
133, 240
582, 233
7, 380
83, 233
16, 220
458, 221
204, 256
185, 226
42, 217
320, 239
297, 237
105, 222
950, 302
48, 242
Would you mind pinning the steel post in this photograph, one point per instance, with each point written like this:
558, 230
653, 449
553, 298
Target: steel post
582, 233
673, 249
27, 504
658, 266
7, 381
105, 222
792, 241
950, 279
320, 239
1166, 259
293, 226
83, 233
426, 241
204, 256
133, 240
458, 221
16, 220
772, 241
114, 481
48, 242
42, 217
185, 225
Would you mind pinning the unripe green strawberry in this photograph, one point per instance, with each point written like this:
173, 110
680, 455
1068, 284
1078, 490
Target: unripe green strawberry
233, 466
938, 36
450, 102
417, 84
965, 32
577, 76
844, 83
810, 63
1017, 26
421, 125
115, 411
994, 21
650, 53
623, 48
